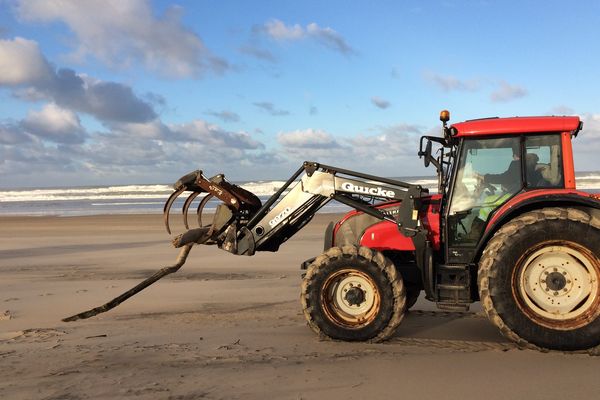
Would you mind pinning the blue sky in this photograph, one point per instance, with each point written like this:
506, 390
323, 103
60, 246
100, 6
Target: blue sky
109, 92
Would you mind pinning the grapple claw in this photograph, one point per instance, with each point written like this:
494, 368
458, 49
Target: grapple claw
201, 207
186, 206
237, 199
168, 204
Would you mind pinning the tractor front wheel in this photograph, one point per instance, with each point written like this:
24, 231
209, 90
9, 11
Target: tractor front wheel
353, 293
539, 279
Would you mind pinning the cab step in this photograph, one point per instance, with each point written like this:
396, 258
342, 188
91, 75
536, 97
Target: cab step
453, 287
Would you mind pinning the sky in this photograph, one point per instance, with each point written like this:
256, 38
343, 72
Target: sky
103, 92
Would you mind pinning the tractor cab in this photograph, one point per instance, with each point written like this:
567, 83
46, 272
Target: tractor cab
483, 164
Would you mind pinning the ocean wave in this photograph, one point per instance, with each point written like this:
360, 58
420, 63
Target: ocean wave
36, 197
587, 186
587, 175
260, 188
127, 194
429, 183
133, 203
92, 193
263, 188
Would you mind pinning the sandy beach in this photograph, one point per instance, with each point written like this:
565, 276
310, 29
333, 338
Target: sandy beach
229, 327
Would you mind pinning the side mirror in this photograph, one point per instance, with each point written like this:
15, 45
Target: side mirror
427, 154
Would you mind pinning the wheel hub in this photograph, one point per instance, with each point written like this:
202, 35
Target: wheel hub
558, 283
355, 296
352, 298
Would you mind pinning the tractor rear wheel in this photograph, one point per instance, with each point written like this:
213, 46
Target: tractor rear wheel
353, 293
539, 279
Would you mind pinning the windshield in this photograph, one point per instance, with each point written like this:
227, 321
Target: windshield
488, 175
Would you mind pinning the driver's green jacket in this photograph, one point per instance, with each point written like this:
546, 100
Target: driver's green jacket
490, 203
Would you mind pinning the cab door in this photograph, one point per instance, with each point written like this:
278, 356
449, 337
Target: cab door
489, 172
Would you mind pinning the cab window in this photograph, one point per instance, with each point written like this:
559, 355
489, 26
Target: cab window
543, 162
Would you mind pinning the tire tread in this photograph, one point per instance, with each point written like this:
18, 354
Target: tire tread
383, 264
497, 245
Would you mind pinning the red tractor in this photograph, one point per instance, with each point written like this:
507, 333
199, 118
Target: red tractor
507, 227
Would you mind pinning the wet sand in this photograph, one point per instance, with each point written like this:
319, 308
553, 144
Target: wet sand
229, 327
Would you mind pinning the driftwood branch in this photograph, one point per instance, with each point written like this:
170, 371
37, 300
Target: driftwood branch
183, 253
198, 235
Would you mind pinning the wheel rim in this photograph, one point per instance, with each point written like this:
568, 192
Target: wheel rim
350, 298
558, 285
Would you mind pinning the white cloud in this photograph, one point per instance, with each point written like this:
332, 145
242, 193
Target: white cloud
55, 124
12, 134
307, 139
271, 109
213, 136
277, 30
169, 151
325, 36
259, 53
588, 140
136, 144
586, 145
122, 33
21, 62
390, 143
503, 93
112, 151
329, 38
388, 149
380, 103
561, 110
507, 92
450, 83
151, 130
27, 162
127, 152
591, 122
225, 116
36, 80
196, 131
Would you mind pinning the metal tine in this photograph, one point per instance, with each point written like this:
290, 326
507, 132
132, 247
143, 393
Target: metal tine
186, 206
201, 207
168, 204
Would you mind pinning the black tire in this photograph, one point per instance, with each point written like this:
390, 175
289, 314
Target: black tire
332, 287
532, 272
412, 295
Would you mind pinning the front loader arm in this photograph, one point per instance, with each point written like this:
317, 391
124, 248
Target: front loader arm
242, 225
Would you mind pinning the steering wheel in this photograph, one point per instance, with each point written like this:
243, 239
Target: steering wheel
483, 185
